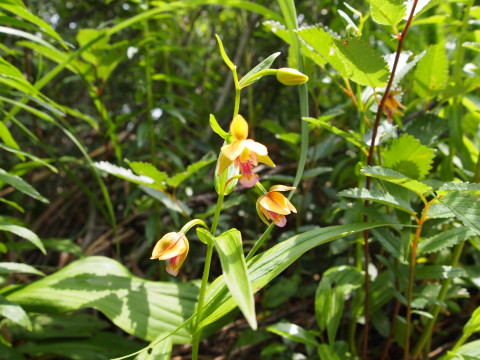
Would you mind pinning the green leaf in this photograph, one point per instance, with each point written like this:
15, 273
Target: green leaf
176, 180
431, 74
122, 173
168, 200
24, 154
8, 139
24, 233
12, 268
473, 324
139, 307
149, 170
217, 128
438, 272
362, 64
265, 64
281, 291
465, 207
160, 351
294, 333
415, 163
15, 313
395, 177
326, 352
321, 41
21, 185
444, 240
12, 204
469, 351
387, 12
17, 8
267, 265
234, 268
348, 136
383, 198
225, 57
460, 186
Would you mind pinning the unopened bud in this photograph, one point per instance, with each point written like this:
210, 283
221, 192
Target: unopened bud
289, 76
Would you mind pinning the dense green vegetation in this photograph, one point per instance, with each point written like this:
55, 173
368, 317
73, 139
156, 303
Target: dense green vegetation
335, 218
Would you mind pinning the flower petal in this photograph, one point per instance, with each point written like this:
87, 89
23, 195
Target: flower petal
239, 128
223, 163
290, 206
256, 147
266, 160
176, 262
249, 180
279, 220
169, 246
233, 150
275, 202
281, 188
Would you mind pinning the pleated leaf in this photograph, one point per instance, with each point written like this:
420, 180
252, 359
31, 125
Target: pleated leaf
234, 268
294, 333
15, 313
12, 268
21, 185
24, 233
431, 272
139, 307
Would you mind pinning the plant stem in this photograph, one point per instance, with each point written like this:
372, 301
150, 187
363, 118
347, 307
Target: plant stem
201, 299
236, 109
413, 261
217, 213
260, 242
427, 332
378, 116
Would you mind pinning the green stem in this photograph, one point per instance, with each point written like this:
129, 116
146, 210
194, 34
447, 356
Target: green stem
201, 299
260, 242
427, 332
216, 216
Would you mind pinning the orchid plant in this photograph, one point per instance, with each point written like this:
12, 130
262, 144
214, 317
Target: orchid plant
238, 155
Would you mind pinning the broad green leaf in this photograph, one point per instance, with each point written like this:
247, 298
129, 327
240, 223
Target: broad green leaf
321, 41
102, 346
468, 351
217, 128
161, 351
149, 170
12, 268
21, 185
473, 324
430, 272
122, 173
460, 186
348, 136
414, 163
326, 352
431, 74
24, 154
139, 307
465, 207
387, 12
17, 8
444, 240
280, 31
294, 333
176, 180
281, 291
234, 268
362, 64
24, 233
267, 265
14, 313
377, 196
265, 64
395, 177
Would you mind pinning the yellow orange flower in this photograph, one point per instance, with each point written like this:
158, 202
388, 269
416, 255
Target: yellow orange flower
274, 206
172, 247
244, 153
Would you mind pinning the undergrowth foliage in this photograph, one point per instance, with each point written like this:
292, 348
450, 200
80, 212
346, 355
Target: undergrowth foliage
168, 178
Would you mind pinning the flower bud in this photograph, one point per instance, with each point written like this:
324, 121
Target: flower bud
172, 247
289, 76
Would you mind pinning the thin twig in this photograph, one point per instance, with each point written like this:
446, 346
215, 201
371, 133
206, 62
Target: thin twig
378, 116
